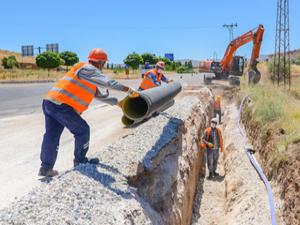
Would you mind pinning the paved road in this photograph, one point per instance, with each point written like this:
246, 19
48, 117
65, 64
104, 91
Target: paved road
20, 99
22, 128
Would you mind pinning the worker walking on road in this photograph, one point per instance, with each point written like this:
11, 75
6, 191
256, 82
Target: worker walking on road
212, 140
217, 108
154, 77
64, 104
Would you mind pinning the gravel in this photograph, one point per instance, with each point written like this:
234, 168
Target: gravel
100, 194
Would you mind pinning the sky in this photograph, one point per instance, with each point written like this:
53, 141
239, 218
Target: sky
190, 29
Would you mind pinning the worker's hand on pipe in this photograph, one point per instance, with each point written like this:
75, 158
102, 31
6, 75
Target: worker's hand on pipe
120, 103
170, 81
133, 93
210, 145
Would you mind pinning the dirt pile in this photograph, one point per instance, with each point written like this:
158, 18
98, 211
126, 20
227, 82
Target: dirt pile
286, 175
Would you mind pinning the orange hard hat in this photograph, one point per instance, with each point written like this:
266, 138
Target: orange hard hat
97, 54
160, 64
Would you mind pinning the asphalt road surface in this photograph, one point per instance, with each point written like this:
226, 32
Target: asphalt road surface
20, 99
22, 128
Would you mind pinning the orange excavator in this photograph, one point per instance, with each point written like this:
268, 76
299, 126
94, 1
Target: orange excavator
234, 65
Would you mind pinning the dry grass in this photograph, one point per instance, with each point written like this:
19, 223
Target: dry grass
5, 53
122, 76
276, 109
18, 74
295, 70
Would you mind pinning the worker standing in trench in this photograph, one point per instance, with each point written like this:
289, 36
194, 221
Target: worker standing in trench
212, 140
64, 104
154, 77
217, 108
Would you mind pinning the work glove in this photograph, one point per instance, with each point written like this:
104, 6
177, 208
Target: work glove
210, 145
222, 149
133, 93
120, 103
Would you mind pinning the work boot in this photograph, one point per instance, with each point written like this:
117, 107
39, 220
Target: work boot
86, 160
210, 177
47, 172
216, 174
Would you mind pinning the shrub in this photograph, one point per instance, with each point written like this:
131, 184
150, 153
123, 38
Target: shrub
9, 62
48, 60
70, 58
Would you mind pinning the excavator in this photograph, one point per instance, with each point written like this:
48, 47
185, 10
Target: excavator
234, 65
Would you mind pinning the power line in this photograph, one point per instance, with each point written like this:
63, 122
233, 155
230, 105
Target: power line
230, 28
282, 60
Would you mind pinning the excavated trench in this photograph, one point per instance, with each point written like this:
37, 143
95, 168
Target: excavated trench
238, 196
147, 177
156, 175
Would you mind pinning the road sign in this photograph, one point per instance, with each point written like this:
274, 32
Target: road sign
27, 50
169, 56
52, 48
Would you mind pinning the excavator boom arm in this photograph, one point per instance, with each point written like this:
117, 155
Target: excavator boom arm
258, 36
240, 41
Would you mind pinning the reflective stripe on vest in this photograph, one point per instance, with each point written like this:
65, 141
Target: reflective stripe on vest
73, 91
147, 82
207, 132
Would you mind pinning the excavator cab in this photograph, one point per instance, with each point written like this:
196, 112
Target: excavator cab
238, 64
236, 69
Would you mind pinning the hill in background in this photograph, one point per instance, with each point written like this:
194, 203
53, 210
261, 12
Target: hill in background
27, 59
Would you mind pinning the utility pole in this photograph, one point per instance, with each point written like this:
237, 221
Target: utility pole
282, 59
230, 28
40, 49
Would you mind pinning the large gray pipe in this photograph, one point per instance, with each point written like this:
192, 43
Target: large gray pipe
150, 101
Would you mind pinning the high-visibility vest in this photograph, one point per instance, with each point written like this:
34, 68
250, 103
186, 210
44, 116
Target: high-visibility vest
207, 133
73, 91
147, 82
217, 105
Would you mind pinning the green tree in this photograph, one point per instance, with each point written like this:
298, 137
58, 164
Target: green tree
190, 64
167, 61
173, 66
70, 58
297, 61
133, 60
48, 60
150, 58
62, 62
178, 64
10, 62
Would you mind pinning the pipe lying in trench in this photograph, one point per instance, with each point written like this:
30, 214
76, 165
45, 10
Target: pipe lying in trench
256, 165
151, 101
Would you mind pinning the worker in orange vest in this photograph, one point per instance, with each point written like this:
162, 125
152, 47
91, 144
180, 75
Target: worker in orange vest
64, 104
154, 77
217, 108
212, 140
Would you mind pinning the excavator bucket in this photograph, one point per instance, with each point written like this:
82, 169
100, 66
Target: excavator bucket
254, 76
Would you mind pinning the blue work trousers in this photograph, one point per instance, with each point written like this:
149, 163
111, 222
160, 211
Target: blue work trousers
212, 159
57, 117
